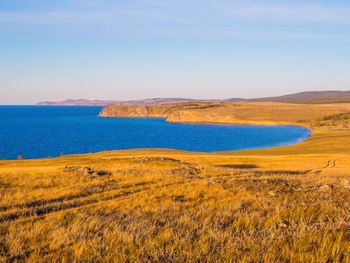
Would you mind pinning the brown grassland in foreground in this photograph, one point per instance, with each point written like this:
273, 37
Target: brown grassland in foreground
283, 204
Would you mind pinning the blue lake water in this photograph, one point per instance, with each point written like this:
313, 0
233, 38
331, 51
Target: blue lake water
42, 131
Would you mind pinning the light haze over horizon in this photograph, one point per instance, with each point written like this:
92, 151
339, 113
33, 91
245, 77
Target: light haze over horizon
136, 49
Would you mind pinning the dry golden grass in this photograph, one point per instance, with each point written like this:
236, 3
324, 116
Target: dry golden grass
284, 204
159, 205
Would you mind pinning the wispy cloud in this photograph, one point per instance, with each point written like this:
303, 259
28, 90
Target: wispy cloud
130, 17
290, 14
220, 18
180, 11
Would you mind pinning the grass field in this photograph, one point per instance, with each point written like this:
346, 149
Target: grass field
284, 204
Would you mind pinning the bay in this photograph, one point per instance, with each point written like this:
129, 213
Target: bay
48, 131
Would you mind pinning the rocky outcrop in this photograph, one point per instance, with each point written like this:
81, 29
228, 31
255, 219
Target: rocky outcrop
135, 111
85, 171
166, 111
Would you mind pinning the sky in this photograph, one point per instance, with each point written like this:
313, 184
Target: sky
204, 49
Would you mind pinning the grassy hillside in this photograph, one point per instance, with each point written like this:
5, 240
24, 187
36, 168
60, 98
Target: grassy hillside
310, 97
167, 205
232, 112
284, 204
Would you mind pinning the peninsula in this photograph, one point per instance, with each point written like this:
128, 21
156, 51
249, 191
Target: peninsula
241, 112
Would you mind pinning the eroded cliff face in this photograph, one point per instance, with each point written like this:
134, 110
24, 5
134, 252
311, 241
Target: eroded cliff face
135, 111
166, 111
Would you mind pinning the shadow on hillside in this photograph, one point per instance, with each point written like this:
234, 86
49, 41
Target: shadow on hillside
238, 166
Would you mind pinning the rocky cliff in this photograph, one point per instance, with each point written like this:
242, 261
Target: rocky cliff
166, 111
135, 111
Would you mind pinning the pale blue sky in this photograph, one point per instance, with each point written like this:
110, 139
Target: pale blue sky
104, 49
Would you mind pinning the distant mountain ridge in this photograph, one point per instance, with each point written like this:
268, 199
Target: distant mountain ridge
152, 101
309, 97
301, 97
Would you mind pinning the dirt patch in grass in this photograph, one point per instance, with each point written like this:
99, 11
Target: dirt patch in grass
86, 171
238, 166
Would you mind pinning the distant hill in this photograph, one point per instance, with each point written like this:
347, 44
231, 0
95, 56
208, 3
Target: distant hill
310, 97
234, 99
83, 102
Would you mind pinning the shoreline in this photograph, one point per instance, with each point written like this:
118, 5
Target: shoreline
253, 123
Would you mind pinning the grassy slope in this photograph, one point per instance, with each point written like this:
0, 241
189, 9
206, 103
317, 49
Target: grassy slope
311, 97
231, 112
275, 205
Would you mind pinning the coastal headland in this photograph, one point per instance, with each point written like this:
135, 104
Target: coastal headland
241, 112
282, 204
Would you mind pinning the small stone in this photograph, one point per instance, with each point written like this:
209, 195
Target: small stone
325, 188
282, 225
271, 193
345, 183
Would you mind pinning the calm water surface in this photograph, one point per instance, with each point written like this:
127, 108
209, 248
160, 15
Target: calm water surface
42, 131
